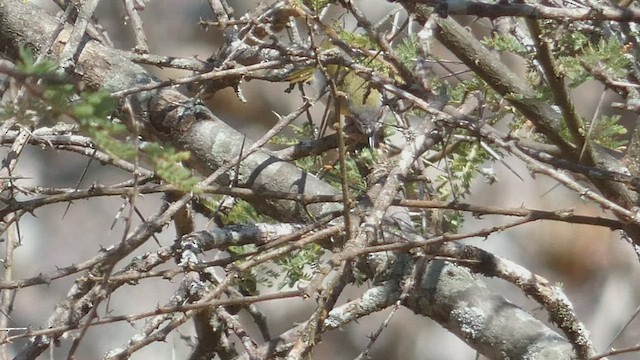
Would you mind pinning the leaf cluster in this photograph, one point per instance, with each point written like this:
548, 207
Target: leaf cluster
462, 167
57, 97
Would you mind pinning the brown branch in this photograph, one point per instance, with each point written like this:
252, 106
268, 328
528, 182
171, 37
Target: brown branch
533, 11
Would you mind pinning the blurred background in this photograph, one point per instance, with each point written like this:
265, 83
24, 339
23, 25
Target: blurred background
598, 270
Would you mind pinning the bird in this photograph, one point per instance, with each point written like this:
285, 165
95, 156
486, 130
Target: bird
362, 106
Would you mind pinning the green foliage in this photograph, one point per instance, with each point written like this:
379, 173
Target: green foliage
248, 281
507, 43
299, 265
317, 5
607, 55
166, 162
452, 221
608, 132
287, 270
458, 93
357, 184
492, 100
463, 167
299, 132
355, 39
316, 165
266, 275
92, 110
56, 96
27, 64
362, 41
306, 131
243, 213
407, 50
572, 43
611, 55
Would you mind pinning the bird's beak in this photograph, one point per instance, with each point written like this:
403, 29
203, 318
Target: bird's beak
372, 140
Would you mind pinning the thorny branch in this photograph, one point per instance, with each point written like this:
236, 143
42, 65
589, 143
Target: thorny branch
418, 264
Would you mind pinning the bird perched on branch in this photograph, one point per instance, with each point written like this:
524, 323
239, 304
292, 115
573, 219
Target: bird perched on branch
360, 103
362, 106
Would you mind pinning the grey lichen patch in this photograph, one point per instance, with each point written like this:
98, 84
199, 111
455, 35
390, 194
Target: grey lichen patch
470, 319
541, 350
